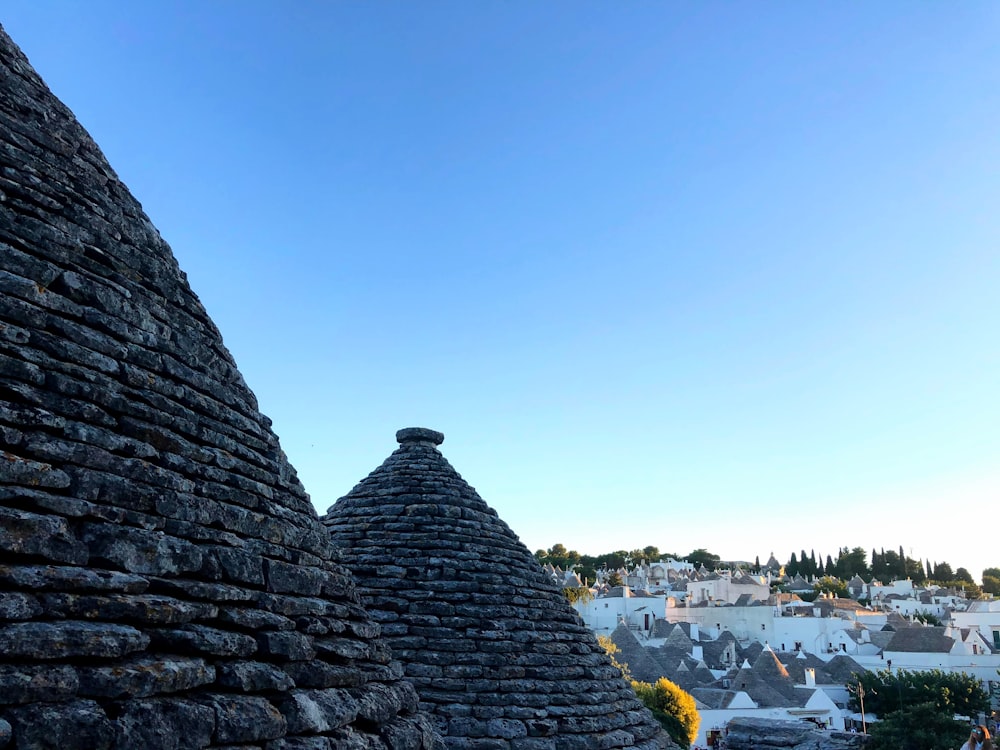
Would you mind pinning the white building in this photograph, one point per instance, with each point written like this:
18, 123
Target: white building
637, 609
984, 616
723, 587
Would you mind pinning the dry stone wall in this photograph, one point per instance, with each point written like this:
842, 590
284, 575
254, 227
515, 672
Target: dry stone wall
164, 580
773, 734
498, 655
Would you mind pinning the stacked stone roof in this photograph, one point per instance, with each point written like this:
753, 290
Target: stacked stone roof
497, 654
164, 580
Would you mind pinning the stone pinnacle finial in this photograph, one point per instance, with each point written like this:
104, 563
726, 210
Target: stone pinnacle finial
419, 435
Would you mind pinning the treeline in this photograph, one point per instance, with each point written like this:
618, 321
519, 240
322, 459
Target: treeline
917, 710
586, 566
885, 565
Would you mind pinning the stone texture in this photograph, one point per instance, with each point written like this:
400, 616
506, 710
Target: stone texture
772, 734
164, 579
497, 654
70, 725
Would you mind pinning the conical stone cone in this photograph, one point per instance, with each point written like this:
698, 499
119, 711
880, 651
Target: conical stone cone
498, 655
164, 579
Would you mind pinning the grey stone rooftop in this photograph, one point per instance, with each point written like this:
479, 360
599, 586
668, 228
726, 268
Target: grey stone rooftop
497, 654
164, 580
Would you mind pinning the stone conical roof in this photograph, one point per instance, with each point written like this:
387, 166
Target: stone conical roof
164, 580
641, 665
497, 653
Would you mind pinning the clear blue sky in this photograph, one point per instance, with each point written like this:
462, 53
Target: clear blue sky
686, 274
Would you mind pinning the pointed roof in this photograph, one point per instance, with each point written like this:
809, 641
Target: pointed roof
678, 639
767, 682
491, 660
797, 663
684, 678
703, 674
713, 698
715, 650
641, 665
927, 639
839, 670
768, 666
661, 628
572, 580
171, 576
751, 652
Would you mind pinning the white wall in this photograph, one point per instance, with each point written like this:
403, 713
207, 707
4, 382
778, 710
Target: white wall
745, 623
982, 615
603, 614
723, 589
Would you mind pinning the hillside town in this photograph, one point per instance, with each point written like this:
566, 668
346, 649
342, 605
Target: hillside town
751, 645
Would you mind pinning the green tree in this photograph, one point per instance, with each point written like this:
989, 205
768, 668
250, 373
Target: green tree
950, 693
674, 708
853, 563
701, 557
576, 594
991, 581
792, 566
612, 560
991, 585
888, 566
964, 575
972, 591
831, 585
804, 567
943, 572
559, 556
915, 570
927, 618
917, 727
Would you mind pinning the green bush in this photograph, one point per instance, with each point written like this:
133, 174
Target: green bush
917, 727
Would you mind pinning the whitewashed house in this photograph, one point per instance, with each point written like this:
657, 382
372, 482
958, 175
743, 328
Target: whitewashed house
725, 588
620, 604
984, 616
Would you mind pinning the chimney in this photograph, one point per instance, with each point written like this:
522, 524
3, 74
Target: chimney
810, 677
695, 635
697, 652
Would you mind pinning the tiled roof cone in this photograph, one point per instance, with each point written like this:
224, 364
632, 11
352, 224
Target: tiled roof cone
164, 579
499, 657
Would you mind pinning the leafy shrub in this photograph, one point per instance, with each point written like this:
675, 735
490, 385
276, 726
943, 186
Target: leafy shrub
673, 707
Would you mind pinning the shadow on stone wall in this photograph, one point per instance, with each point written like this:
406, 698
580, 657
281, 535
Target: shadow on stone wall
164, 579
767, 734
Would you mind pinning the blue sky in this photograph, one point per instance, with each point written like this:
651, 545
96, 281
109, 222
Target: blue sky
686, 274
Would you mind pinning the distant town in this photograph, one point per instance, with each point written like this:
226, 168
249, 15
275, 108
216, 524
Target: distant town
785, 640
884, 564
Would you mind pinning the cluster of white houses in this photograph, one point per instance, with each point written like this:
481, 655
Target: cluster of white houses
743, 651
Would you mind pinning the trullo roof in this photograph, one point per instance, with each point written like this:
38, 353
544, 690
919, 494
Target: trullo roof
494, 648
164, 580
